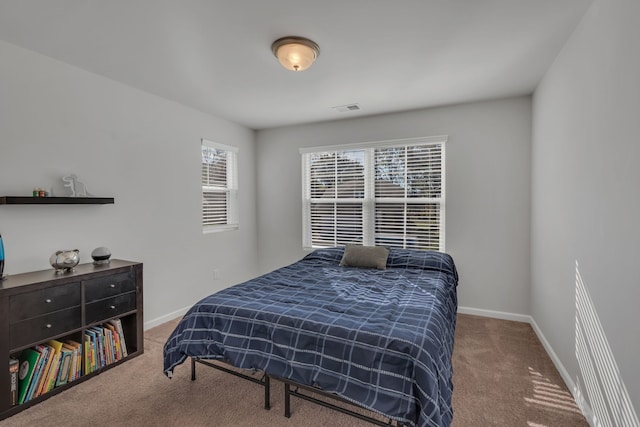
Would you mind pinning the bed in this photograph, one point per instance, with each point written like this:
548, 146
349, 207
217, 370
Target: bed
381, 339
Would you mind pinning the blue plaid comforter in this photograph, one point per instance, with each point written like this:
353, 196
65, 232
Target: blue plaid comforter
382, 339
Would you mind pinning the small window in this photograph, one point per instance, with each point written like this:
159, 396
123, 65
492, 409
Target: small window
219, 187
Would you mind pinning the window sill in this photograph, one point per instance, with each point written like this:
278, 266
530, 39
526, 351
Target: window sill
218, 228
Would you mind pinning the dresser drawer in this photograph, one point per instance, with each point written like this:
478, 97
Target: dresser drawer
105, 287
41, 328
110, 307
37, 303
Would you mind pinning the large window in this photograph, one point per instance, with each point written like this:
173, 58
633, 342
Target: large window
219, 187
388, 193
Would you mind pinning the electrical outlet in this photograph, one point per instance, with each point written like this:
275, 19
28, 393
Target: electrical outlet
216, 274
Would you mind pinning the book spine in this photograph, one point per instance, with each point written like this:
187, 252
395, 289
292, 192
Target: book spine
94, 352
13, 381
103, 352
78, 363
111, 353
37, 374
86, 354
123, 343
99, 347
74, 365
45, 372
28, 361
118, 348
63, 372
53, 372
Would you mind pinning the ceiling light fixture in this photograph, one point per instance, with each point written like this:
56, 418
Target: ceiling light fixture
295, 53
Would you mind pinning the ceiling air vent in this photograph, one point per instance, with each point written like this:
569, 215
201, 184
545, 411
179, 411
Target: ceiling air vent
347, 108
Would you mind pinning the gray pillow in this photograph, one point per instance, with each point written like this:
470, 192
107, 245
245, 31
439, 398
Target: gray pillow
365, 256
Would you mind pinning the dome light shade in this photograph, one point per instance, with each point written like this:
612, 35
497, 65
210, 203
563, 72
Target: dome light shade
295, 53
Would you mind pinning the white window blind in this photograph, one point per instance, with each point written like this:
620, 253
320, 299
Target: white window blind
388, 193
336, 190
219, 187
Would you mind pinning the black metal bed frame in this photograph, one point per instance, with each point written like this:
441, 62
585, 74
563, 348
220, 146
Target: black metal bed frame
263, 381
294, 389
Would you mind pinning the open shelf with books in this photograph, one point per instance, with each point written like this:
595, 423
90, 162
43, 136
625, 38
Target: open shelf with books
104, 344
44, 367
57, 330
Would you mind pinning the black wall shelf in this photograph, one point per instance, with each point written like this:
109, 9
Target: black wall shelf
29, 200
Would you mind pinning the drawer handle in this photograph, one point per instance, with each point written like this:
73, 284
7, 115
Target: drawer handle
113, 285
48, 300
48, 325
112, 307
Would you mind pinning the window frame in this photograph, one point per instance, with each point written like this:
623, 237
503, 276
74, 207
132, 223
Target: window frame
230, 190
369, 201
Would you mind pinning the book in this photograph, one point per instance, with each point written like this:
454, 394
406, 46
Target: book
85, 357
116, 342
39, 369
118, 324
98, 349
45, 370
78, 358
50, 380
87, 354
28, 361
116, 339
113, 336
65, 364
55, 365
71, 375
52, 375
108, 335
14, 366
92, 350
57, 345
101, 359
93, 344
86, 349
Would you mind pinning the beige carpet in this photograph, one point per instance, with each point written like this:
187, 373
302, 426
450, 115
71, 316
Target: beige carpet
502, 377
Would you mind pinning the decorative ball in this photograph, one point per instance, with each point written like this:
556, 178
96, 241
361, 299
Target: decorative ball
101, 255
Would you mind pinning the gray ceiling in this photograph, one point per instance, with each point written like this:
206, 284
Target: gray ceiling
385, 55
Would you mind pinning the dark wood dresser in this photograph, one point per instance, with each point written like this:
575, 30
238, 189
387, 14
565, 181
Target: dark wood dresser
40, 306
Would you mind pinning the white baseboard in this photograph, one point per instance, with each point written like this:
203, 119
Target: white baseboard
571, 385
495, 314
162, 319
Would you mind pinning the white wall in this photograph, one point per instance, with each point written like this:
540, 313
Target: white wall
487, 184
144, 151
586, 208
